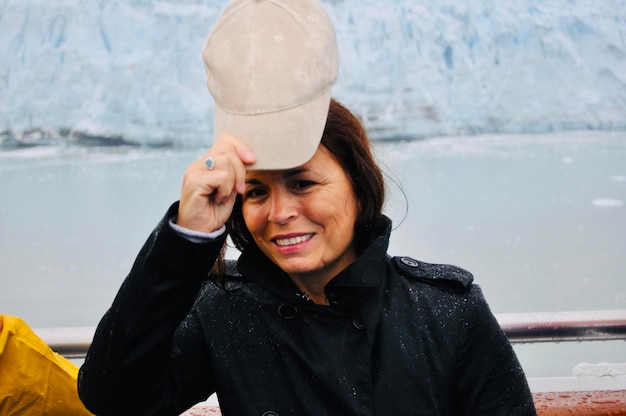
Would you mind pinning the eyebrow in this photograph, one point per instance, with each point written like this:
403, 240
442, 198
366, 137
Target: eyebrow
293, 172
286, 175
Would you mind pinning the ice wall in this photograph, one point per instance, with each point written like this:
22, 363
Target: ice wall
132, 70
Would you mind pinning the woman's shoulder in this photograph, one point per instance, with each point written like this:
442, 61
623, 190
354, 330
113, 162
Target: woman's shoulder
439, 286
445, 276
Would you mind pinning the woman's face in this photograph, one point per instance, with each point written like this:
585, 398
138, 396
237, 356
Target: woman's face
303, 218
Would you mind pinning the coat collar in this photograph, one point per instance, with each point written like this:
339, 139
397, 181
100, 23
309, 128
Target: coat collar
363, 274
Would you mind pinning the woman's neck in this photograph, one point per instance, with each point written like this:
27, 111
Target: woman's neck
312, 289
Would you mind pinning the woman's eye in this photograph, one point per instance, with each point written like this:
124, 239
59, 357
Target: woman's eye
302, 184
254, 193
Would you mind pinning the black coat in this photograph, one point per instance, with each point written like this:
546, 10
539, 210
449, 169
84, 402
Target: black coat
400, 337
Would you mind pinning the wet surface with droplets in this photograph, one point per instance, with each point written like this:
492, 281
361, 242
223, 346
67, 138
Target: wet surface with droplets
581, 403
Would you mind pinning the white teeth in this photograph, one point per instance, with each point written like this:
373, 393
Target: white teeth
293, 240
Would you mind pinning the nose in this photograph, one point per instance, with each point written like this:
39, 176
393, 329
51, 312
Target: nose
282, 207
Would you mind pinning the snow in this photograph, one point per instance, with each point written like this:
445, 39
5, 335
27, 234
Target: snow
599, 370
133, 70
607, 202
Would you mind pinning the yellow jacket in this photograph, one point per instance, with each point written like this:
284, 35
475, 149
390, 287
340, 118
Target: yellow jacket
34, 380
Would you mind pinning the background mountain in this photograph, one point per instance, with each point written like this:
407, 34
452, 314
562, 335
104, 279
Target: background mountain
130, 71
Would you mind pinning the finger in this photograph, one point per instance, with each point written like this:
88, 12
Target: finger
225, 186
241, 148
232, 153
244, 151
224, 178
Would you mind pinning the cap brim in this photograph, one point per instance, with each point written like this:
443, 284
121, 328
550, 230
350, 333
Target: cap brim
282, 139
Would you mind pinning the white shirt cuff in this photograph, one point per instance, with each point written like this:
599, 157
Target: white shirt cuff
196, 236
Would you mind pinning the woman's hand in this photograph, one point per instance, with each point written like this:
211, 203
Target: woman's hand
208, 195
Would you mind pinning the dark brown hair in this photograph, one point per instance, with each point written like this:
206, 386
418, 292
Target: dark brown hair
346, 139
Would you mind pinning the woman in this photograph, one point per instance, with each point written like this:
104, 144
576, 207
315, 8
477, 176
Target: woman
313, 319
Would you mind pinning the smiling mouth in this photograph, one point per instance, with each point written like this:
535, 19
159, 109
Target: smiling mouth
283, 242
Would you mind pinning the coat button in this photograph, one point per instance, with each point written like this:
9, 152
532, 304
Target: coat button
270, 413
409, 262
287, 311
332, 298
357, 321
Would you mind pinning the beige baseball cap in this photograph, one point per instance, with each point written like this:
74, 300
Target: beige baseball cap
270, 65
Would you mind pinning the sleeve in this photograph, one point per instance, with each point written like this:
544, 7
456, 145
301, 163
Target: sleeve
490, 379
141, 360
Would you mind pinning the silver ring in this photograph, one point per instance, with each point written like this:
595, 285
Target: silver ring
209, 162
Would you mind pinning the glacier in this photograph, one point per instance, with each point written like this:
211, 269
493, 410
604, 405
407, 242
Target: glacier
131, 72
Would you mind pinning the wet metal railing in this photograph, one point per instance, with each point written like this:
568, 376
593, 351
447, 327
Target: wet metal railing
564, 326
519, 327
71, 342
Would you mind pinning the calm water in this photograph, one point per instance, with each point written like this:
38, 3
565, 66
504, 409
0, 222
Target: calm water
539, 219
